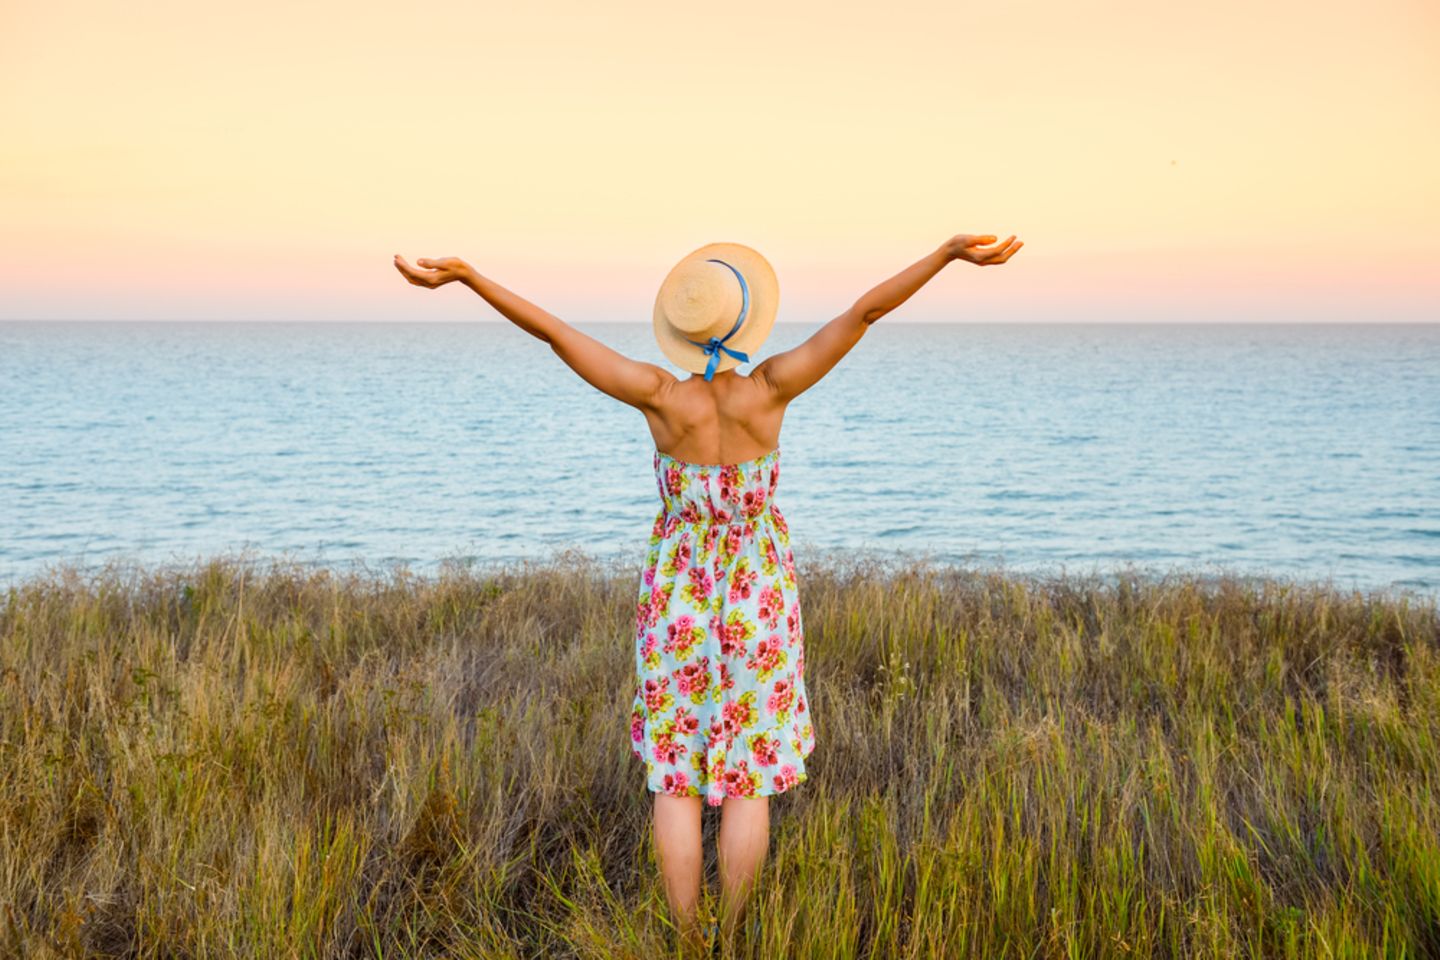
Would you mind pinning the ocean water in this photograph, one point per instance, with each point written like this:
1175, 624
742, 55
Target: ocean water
1309, 452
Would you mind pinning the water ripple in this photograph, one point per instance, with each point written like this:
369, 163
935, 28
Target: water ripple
1299, 451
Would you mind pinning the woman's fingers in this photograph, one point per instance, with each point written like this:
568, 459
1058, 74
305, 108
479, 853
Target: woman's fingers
439, 270
1003, 252
422, 262
416, 277
980, 254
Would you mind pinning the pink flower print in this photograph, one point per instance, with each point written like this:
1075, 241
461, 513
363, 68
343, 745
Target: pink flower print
677, 784
682, 553
717, 730
690, 513
730, 635
717, 766
767, 656
771, 557
692, 679
637, 726
665, 592
673, 480
702, 583
649, 575
648, 646
685, 721
681, 625
781, 696
658, 530
680, 635
765, 750
667, 750
729, 476
712, 533
786, 778
738, 782
792, 623
672, 524
800, 705
657, 694
732, 541
727, 681
738, 715
772, 602
752, 503
779, 519
720, 514
740, 584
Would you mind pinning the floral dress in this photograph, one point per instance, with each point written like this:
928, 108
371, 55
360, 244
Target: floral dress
720, 708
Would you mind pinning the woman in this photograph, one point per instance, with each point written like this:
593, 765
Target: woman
720, 710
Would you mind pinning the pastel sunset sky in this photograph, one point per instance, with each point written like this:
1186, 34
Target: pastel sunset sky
1225, 160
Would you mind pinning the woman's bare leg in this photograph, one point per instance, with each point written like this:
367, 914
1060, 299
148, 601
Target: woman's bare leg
677, 844
743, 842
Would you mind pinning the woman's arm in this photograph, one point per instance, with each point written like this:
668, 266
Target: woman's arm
792, 372
629, 381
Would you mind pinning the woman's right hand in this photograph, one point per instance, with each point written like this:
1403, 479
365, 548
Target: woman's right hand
968, 247
439, 271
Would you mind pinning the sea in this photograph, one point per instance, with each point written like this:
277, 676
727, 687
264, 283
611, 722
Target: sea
1292, 451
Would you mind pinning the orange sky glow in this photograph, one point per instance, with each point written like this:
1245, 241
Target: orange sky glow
1223, 160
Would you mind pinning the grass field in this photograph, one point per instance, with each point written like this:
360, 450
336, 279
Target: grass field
261, 760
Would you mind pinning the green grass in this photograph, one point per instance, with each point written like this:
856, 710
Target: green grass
262, 760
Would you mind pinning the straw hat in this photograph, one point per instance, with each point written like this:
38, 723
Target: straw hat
717, 302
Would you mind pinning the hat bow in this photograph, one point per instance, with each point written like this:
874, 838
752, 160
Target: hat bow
714, 345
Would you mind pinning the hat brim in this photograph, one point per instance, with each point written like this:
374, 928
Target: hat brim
764, 288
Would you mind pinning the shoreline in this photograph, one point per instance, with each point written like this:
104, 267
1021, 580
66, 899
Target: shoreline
883, 563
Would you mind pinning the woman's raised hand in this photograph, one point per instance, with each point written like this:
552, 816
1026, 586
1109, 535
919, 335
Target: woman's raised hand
968, 247
438, 271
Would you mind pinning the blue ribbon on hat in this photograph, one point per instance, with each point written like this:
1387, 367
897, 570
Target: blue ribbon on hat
714, 345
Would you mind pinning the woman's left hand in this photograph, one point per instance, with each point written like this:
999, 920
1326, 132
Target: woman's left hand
439, 271
967, 247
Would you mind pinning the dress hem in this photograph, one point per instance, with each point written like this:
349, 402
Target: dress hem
762, 792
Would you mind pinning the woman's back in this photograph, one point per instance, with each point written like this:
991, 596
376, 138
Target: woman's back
729, 419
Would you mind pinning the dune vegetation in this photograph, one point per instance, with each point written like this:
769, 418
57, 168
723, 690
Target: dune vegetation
262, 759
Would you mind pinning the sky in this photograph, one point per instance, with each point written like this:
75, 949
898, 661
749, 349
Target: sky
1226, 160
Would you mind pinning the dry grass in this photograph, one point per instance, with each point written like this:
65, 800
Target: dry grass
238, 759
